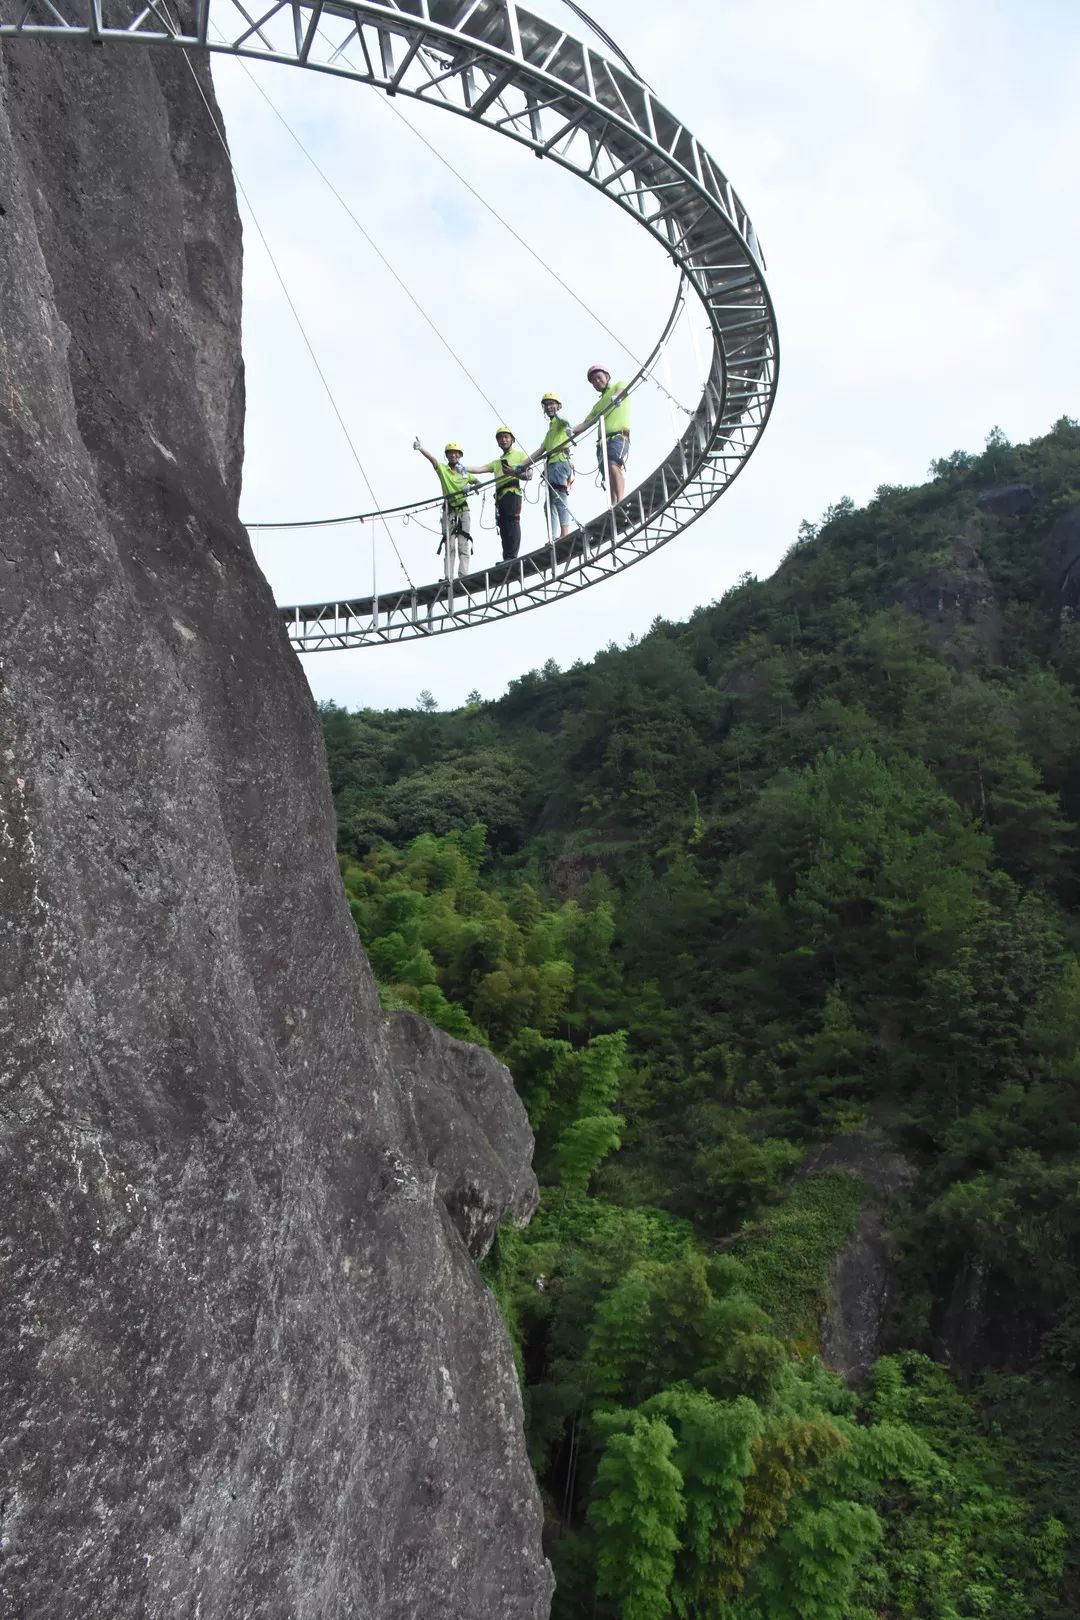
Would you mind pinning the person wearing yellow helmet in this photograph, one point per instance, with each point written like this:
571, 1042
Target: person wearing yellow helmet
456, 517
558, 467
509, 467
614, 407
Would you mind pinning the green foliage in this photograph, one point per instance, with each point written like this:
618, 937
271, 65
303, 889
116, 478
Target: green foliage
789, 1252
500, 1270
636, 1511
963, 1541
583, 1146
665, 1322
803, 871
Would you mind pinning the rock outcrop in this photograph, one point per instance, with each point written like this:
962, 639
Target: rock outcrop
861, 1280
247, 1367
1009, 500
474, 1131
1061, 552
958, 603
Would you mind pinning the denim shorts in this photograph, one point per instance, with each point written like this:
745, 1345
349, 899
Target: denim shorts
618, 449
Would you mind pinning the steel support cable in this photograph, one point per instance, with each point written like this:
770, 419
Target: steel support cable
506, 225
643, 366
600, 132
296, 317
370, 240
436, 500
602, 34
494, 212
502, 220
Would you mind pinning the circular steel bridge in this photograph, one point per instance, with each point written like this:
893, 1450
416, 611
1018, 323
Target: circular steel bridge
524, 77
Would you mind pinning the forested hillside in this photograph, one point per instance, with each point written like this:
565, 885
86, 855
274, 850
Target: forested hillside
774, 916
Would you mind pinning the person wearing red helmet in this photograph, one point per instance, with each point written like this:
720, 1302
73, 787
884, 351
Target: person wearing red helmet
614, 407
456, 518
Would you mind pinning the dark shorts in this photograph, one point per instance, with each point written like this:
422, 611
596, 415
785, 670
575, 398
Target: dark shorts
618, 449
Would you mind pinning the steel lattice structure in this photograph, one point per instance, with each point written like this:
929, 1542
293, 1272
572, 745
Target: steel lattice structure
522, 76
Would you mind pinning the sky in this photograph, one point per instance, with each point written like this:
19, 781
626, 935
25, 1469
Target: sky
910, 168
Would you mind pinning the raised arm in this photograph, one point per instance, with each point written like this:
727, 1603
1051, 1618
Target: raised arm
425, 453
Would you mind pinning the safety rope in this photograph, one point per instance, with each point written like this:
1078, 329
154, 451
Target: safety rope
295, 312
491, 527
411, 518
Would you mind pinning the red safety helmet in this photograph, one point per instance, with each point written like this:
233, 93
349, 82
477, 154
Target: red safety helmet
592, 369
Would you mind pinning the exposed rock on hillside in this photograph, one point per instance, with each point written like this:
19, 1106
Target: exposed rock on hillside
958, 603
1009, 500
247, 1367
1061, 549
862, 1273
473, 1127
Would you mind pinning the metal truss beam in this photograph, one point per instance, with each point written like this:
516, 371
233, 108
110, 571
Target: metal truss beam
514, 72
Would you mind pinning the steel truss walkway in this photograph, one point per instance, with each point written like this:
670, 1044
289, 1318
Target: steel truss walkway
525, 78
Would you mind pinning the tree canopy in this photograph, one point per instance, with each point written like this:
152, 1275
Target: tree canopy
800, 874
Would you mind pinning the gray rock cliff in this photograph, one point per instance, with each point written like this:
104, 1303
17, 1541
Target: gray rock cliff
247, 1367
958, 603
861, 1282
1061, 553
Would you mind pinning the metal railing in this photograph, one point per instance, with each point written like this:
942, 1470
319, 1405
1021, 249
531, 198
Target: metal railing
525, 78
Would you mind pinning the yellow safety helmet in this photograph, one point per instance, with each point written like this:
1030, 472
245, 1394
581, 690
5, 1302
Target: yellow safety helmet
452, 446
504, 429
549, 395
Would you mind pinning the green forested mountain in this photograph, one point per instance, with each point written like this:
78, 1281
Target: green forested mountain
774, 916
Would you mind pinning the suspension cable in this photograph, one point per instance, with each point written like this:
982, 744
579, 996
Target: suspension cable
437, 500
295, 312
506, 225
494, 212
369, 239
602, 34
644, 371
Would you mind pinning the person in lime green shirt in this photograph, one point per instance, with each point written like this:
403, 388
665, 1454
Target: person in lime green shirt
558, 467
614, 406
510, 467
456, 517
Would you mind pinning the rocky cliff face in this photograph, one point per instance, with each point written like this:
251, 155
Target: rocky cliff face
861, 1283
958, 603
1061, 552
246, 1365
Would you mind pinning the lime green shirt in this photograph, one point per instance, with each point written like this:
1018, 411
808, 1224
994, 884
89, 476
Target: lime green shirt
616, 417
455, 485
555, 445
503, 484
